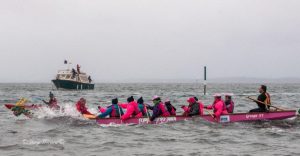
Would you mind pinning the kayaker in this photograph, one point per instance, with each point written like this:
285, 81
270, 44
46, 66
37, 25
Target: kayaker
171, 109
159, 109
218, 106
229, 103
263, 97
195, 107
132, 109
142, 106
81, 107
18, 110
113, 110
52, 102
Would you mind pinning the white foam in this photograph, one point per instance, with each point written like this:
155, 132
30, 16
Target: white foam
67, 109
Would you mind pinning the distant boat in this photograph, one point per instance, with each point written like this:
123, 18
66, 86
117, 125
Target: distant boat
73, 80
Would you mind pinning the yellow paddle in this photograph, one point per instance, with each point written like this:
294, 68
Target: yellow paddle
21, 102
211, 114
89, 116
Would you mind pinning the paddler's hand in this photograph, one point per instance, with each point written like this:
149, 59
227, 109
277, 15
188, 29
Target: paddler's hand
214, 116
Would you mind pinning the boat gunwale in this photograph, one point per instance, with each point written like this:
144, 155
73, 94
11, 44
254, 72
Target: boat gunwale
207, 115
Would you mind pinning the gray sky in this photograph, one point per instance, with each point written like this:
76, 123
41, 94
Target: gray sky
149, 39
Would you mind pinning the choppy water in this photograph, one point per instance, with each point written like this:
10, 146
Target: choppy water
57, 133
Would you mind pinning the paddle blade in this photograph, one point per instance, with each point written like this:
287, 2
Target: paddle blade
21, 102
89, 116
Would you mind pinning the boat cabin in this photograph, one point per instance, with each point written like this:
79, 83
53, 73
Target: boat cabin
70, 76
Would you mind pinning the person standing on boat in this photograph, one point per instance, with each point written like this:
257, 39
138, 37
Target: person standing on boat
229, 103
171, 109
132, 109
52, 102
218, 106
159, 109
81, 107
113, 111
74, 73
90, 79
78, 68
195, 107
264, 97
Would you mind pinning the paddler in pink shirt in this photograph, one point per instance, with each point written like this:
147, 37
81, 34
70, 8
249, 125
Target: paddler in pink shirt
132, 109
218, 106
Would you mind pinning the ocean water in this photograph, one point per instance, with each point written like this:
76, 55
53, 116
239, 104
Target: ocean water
66, 133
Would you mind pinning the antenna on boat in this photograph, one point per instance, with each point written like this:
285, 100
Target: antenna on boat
204, 80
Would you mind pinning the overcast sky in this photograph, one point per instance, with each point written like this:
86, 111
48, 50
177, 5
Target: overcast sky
149, 39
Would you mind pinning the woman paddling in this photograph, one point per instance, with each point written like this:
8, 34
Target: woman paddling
113, 111
218, 106
195, 107
132, 109
142, 106
171, 109
159, 109
229, 103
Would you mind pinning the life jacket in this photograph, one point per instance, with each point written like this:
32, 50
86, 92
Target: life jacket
142, 109
268, 99
78, 106
229, 106
163, 109
201, 107
82, 109
115, 111
171, 109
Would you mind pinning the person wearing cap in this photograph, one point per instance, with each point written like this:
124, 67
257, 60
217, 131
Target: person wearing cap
142, 106
171, 109
52, 102
263, 97
113, 111
229, 103
159, 109
194, 108
218, 106
132, 109
81, 107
